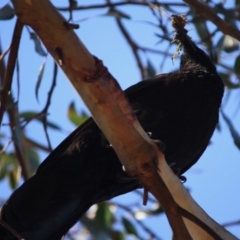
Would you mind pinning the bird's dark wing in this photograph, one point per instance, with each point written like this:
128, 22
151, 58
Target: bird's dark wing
67, 143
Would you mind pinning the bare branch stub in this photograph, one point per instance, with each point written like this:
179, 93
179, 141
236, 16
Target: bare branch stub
101, 71
70, 26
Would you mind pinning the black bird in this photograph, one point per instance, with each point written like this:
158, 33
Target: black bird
180, 109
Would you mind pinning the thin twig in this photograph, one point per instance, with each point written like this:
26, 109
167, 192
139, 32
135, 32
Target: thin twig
14, 124
142, 3
207, 12
45, 109
7, 83
34, 144
3, 150
18, 80
25, 122
133, 46
155, 51
2, 66
233, 223
17, 140
3, 54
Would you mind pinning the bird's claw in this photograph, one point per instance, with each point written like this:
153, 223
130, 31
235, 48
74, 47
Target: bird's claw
182, 178
177, 172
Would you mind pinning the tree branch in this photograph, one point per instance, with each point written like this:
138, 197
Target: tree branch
207, 12
6, 74
7, 82
122, 3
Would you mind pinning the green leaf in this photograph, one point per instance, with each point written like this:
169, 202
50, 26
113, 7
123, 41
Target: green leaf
2, 135
31, 115
117, 235
28, 115
14, 177
39, 79
237, 65
216, 55
4, 163
200, 28
3, 172
33, 159
90, 224
117, 13
129, 227
38, 46
10, 169
53, 125
16, 134
74, 117
233, 131
104, 217
228, 44
6, 12
150, 69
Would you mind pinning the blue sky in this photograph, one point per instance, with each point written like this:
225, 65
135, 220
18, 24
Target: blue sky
213, 181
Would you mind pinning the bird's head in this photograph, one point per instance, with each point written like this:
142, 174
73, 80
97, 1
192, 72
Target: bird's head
193, 58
